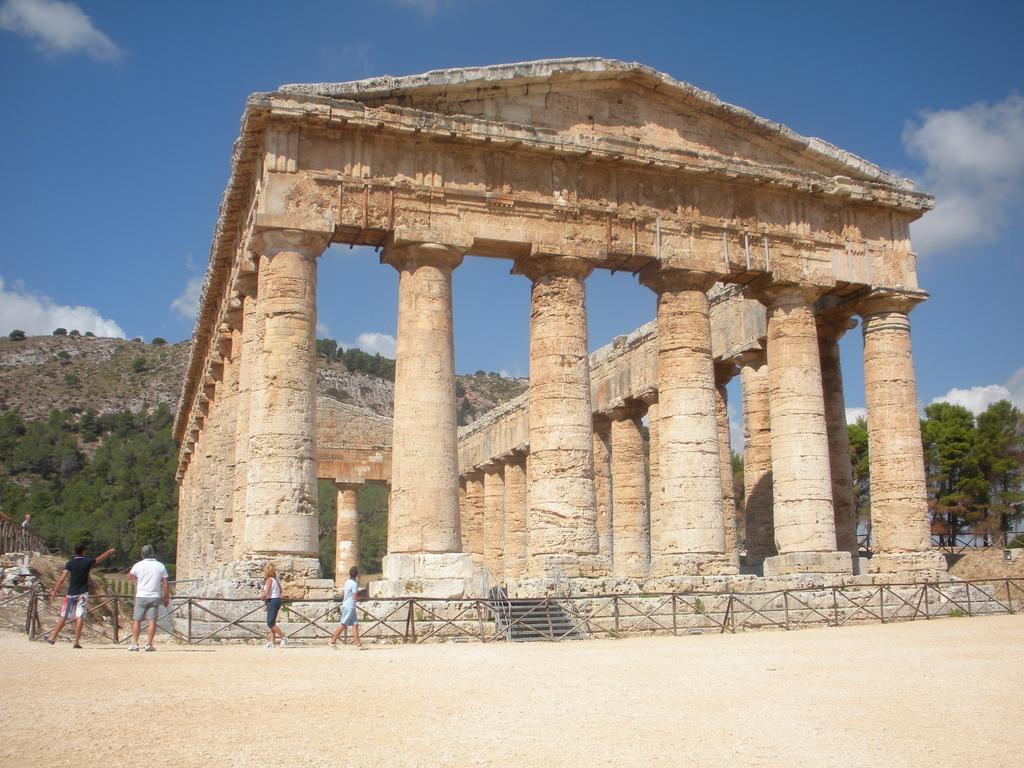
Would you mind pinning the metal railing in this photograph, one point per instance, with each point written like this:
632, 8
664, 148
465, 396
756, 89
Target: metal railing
415, 620
958, 543
14, 538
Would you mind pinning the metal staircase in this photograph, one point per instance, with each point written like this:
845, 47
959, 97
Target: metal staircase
526, 620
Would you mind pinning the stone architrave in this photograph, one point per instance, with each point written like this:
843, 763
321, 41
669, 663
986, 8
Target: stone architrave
900, 531
473, 518
603, 484
249, 346
830, 330
801, 468
757, 458
515, 518
631, 525
424, 541
346, 534
562, 517
494, 521
724, 373
688, 532
281, 498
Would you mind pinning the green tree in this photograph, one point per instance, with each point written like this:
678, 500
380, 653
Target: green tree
999, 453
139, 364
60, 331
16, 335
858, 435
159, 341
957, 489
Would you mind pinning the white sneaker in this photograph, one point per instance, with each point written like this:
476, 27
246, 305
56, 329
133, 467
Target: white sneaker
284, 641
270, 646
133, 647
150, 648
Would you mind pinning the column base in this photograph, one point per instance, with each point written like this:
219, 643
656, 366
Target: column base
568, 566
808, 562
695, 564
898, 562
446, 575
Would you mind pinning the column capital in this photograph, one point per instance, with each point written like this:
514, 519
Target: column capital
754, 357
774, 295
539, 264
881, 301
309, 243
411, 254
626, 410
832, 326
341, 484
660, 278
725, 371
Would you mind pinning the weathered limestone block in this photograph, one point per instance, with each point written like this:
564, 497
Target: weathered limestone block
603, 484
757, 458
281, 513
653, 458
473, 518
424, 475
688, 533
631, 523
562, 518
516, 512
899, 512
801, 468
494, 521
346, 546
724, 373
830, 330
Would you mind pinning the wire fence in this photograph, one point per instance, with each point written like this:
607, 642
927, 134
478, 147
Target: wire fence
195, 620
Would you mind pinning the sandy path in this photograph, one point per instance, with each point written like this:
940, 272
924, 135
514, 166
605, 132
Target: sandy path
923, 693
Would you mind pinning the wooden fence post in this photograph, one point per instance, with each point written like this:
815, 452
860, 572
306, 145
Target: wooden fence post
117, 637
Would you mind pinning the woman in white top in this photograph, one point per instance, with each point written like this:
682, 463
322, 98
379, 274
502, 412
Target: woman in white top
272, 597
349, 614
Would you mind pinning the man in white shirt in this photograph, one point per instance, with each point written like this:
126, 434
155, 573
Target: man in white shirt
151, 591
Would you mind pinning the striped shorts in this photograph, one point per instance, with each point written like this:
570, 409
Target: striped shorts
73, 606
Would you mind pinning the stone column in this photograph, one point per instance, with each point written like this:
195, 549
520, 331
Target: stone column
249, 348
631, 524
424, 540
900, 531
757, 458
653, 458
688, 532
515, 517
473, 518
724, 373
830, 330
280, 504
494, 521
562, 517
603, 484
182, 554
227, 391
346, 534
805, 531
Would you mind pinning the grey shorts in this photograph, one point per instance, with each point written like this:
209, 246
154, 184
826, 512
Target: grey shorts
146, 608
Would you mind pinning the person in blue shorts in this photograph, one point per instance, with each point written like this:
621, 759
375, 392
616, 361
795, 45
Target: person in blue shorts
349, 614
272, 597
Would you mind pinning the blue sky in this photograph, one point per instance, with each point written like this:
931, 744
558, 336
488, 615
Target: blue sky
119, 119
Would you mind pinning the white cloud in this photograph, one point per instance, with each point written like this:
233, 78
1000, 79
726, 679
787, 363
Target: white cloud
974, 165
977, 399
381, 343
187, 304
57, 27
853, 414
322, 331
39, 315
736, 441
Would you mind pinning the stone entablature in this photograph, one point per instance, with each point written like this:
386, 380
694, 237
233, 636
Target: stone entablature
563, 167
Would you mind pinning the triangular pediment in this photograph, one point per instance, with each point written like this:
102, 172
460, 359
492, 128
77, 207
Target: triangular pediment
607, 99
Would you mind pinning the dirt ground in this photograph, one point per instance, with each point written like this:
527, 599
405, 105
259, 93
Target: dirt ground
943, 692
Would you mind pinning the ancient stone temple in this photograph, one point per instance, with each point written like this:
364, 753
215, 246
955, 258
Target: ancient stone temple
761, 247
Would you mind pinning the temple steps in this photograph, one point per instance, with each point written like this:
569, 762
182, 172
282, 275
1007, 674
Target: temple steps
531, 620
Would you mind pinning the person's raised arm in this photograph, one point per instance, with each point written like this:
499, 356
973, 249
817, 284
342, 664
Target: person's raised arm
105, 555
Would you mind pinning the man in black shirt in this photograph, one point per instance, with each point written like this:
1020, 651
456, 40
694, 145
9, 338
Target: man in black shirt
78, 568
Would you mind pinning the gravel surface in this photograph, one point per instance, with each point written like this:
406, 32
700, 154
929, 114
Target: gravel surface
932, 693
